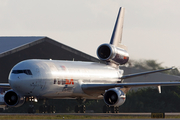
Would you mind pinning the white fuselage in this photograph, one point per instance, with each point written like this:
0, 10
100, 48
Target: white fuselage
59, 79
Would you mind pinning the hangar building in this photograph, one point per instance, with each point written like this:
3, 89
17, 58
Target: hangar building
16, 49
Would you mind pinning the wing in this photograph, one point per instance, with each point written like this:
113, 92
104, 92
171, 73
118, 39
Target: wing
100, 88
144, 73
5, 85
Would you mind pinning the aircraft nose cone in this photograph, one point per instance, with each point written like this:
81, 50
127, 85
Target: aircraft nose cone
19, 86
19, 76
15, 82
18, 83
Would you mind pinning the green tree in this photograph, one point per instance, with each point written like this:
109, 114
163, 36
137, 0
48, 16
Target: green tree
152, 65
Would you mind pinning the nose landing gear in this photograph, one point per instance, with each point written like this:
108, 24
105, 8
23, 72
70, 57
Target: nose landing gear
110, 109
31, 105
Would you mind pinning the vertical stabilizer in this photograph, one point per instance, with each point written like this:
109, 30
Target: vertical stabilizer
116, 37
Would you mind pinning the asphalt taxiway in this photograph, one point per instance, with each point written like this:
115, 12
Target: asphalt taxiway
90, 114
99, 114
93, 114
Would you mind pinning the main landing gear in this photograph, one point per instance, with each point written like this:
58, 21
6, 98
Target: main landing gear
46, 108
80, 108
110, 109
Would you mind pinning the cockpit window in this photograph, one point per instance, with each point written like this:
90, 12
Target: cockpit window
28, 72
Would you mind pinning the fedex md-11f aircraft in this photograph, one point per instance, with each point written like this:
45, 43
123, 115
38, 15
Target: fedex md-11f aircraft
57, 79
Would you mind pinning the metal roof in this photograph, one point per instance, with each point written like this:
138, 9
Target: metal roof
16, 49
10, 43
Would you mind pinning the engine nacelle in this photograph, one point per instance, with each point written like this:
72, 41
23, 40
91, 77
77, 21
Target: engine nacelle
114, 97
12, 99
107, 52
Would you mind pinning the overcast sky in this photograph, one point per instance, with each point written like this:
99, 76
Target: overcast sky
151, 28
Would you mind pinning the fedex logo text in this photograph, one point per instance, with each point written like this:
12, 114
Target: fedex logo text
69, 82
63, 81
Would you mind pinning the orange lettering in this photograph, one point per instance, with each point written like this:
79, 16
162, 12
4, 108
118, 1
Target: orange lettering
69, 82
72, 81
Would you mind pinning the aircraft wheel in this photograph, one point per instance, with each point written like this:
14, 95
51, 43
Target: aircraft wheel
83, 109
53, 110
106, 109
43, 109
77, 109
50, 109
80, 109
116, 109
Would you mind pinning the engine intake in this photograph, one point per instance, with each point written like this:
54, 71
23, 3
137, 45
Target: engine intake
114, 97
12, 99
108, 52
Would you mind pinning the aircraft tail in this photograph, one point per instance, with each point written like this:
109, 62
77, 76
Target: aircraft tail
115, 53
116, 37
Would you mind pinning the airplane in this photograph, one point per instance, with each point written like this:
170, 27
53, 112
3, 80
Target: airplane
35, 79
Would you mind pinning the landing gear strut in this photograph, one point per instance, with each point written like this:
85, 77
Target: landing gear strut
110, 109
46, 108
80, 108
31, 105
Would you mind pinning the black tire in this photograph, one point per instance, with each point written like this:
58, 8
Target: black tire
77, 109
116, 109
83, 109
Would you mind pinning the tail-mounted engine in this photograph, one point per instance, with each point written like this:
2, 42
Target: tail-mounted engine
12, 99
114, 97
108, 52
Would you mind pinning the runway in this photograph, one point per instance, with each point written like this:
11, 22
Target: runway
93, 114
90, 114
107, 116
